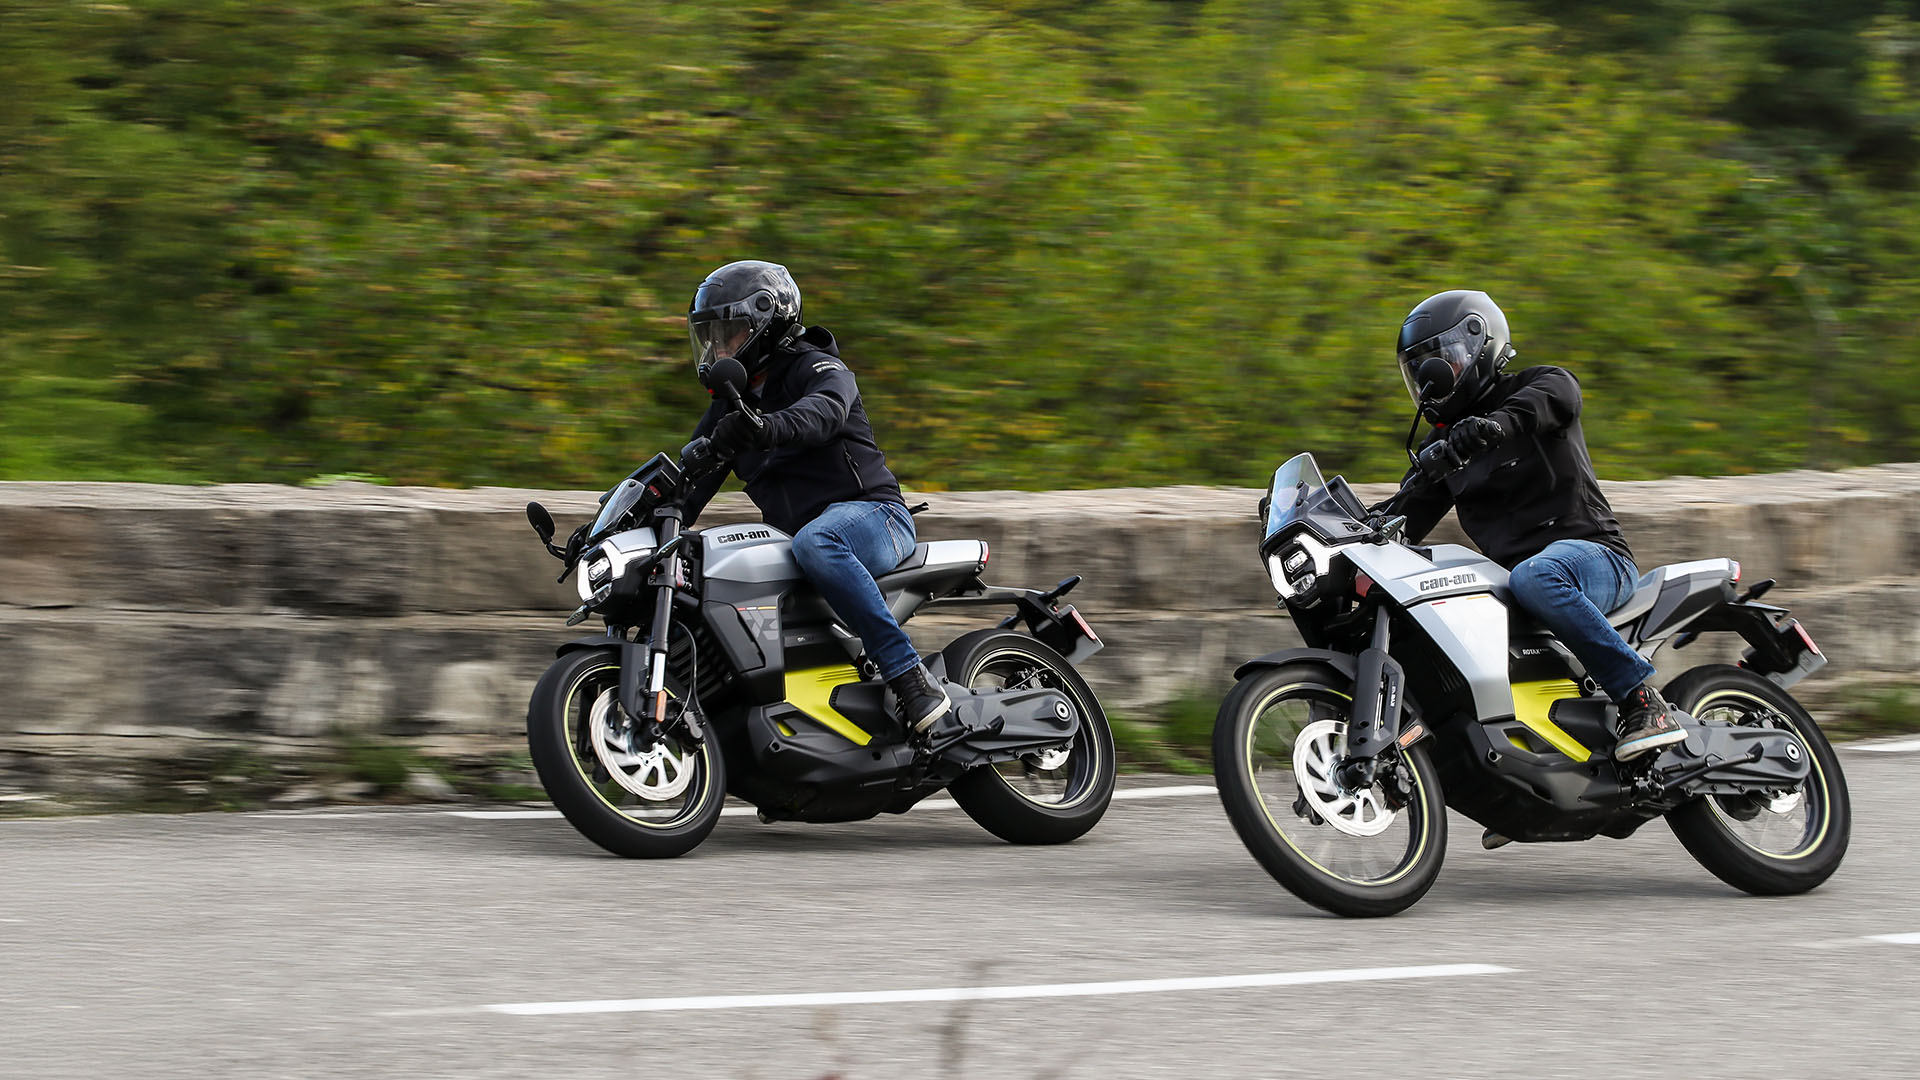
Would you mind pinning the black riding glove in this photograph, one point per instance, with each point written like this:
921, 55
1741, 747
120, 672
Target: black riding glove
1474, 435
736, 433
1448, 455
698, 457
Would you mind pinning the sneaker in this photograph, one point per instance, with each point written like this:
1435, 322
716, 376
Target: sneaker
1646, 723
919, 702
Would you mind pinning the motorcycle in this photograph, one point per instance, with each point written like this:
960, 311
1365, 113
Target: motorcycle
1423, 687
722, 671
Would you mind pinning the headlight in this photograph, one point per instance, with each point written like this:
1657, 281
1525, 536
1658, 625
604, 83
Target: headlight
1297, 567
599, 570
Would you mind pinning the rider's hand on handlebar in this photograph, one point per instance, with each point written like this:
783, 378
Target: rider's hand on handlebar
699, 457
1474, 434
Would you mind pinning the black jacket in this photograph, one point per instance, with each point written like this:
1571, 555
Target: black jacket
822, 445
1535, 486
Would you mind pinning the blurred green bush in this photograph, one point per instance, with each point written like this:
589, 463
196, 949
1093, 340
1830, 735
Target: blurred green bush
1065, 244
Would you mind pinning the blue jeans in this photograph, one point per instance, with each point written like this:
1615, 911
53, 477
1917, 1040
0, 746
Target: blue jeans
1569, 588
842, 551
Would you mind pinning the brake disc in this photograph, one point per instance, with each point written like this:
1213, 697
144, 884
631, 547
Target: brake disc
1316, 758
654, 771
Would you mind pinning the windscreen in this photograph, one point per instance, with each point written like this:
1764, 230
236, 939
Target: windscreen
619, 501
1294, 486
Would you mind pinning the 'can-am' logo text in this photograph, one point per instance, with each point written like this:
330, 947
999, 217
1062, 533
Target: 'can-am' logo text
1448, 582
750, 534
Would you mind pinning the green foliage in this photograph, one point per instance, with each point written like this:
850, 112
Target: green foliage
1125, 241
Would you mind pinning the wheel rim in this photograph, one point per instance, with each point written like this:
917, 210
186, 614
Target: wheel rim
651, 784
1293, 741
1059, 777
1785, 826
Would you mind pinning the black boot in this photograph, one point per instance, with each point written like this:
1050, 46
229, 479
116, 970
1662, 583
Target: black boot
918, 701
1646, 723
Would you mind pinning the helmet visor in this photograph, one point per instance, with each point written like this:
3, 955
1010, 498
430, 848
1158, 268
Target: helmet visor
718, 338
1435, 367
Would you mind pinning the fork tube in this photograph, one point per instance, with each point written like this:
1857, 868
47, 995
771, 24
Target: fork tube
663, 615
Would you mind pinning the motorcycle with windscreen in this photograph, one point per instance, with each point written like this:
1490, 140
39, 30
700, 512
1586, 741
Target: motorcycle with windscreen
1422, 686
722, 671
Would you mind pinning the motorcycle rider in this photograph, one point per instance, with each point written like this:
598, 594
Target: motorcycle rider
1508, 455
813, 469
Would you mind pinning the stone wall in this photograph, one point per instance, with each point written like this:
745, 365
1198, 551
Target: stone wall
141, 620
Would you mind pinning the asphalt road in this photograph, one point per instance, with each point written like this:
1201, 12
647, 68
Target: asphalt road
372, 944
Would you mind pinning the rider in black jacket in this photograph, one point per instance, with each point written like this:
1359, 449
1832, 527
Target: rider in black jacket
1508, 455
813, 469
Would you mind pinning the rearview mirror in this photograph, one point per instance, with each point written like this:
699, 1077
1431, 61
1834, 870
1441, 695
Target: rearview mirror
1436, 379
726, 371
541, 521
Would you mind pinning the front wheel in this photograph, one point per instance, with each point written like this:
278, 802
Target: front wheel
639, 797
1277, 745
1052, 796
1773, 845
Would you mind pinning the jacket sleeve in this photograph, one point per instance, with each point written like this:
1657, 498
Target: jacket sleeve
827, 394
702, 491
1546, 400
1423, 502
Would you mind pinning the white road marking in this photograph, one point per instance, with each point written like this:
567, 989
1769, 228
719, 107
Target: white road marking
1896, 939
1170, 792
991, 993
1897, 746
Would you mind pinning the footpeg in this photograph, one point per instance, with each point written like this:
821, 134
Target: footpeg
1492, 840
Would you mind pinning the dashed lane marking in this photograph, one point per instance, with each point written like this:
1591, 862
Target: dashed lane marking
991, 993
1896, 939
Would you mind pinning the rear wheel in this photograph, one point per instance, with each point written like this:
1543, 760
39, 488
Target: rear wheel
1773, 845
1052, 796
639, 797
1279, 735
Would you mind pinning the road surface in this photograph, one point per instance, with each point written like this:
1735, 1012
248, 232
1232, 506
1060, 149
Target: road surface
422, 943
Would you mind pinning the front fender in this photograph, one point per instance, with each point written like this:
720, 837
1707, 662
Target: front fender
1345, 663
601, 642
1395, 729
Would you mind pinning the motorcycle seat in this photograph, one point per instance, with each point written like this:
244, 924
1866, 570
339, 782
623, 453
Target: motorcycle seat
1687, 578
933, 569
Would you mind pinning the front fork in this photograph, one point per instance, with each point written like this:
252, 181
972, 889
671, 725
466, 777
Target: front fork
649, 655
1377, 706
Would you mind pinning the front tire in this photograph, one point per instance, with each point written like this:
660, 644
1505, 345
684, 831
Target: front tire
1384, 860
669, 794
1047, 798
1774, 847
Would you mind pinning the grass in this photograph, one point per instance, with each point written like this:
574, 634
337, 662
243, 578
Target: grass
1872, 712
1178, 738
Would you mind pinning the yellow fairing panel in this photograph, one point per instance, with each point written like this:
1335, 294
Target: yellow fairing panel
1533, 701
811, 691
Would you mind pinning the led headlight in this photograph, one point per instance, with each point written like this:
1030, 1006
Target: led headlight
1299, 566
599, 570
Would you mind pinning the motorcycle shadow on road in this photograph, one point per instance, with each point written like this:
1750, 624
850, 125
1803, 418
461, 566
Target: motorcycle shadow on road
548, 837
1472, 885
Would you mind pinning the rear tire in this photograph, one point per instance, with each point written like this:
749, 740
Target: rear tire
1253, 746
1726, 836
1020, 801
562, 744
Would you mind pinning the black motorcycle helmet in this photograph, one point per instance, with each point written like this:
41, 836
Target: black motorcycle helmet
745, 310
1450, 348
